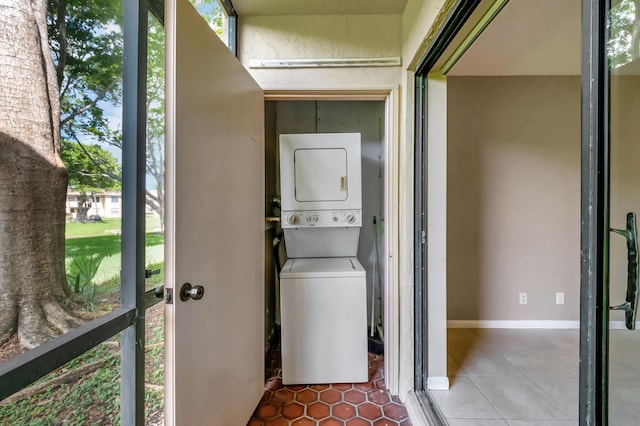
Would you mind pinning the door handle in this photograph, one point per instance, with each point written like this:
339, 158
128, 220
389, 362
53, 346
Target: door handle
630, 305
159, 291
191, 292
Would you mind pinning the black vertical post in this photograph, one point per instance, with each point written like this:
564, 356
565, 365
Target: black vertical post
133, 223
594, 249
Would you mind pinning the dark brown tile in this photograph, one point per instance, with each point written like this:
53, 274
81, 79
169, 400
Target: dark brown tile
369, 411
355, 396
330, 396
292, 411
341, 404
318, 410
331, 422
296, 388
282, 396
395, 411
343, 411
304, 422
266, 396
385, 422
266, 412
379, 397
277, 422
342, 386
366, 386
306, 396
358, 422
319, 388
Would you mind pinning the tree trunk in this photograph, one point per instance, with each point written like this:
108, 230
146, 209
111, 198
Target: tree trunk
33, 180
83, 206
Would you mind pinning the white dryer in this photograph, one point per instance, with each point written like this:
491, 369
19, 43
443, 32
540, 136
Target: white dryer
324, 318
321, 194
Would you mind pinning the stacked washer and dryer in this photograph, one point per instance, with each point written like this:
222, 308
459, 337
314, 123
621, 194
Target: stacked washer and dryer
322, 285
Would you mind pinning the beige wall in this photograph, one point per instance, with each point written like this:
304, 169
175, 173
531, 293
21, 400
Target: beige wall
326, 37
514, 197
514, 194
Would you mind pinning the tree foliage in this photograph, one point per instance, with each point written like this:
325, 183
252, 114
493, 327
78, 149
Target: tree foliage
86, 44
211, 12
624, 33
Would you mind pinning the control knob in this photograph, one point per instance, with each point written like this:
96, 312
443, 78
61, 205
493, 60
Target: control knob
350, 217
312, 219
293, 219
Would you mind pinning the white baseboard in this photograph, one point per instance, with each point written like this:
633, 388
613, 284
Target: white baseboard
540, 324
438, 383
619, 325
513, 324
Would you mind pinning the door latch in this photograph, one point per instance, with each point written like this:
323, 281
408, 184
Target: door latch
148, 273
191, 292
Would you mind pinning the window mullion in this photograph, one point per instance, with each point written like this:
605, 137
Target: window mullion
133, 201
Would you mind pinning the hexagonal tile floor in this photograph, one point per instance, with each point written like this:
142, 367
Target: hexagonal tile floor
358, 404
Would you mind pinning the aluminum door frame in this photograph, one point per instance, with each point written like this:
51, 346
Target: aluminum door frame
594, 215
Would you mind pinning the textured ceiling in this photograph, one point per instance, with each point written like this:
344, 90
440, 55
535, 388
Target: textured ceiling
540, 37
318, 7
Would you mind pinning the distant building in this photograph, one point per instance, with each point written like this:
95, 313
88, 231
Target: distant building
105, 204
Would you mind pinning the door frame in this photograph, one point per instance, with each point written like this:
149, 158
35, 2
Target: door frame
594, 215
392, 236
447, 36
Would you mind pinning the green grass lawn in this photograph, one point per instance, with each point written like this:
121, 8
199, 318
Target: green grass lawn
107, 226
93, 250
92, 398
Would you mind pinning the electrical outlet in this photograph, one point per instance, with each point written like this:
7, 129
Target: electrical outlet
560, 298
523, 298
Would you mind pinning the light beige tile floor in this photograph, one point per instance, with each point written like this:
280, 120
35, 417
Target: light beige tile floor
530, 378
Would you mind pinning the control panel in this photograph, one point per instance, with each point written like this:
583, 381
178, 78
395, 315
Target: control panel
321, 218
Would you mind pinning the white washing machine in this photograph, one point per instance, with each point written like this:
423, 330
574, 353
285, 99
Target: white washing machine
322, 285
324, 321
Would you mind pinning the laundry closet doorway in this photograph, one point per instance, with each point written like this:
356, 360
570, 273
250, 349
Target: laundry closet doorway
369, 118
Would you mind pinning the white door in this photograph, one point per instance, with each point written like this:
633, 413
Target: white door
321, 174
214, 227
